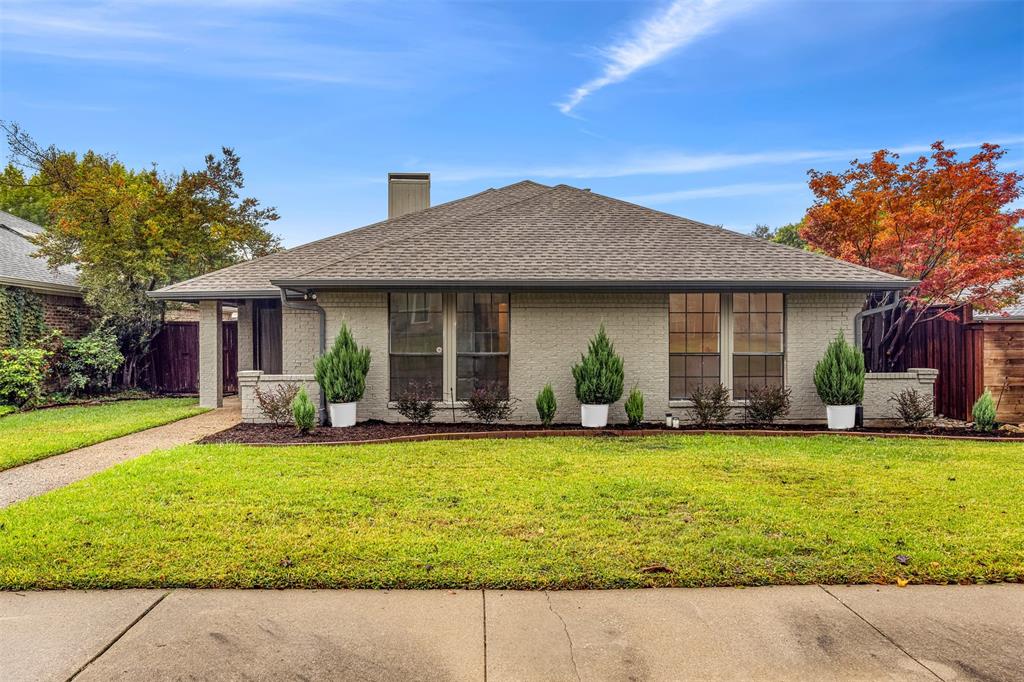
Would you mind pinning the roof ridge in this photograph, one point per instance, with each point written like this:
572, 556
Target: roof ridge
742, 235
433, 227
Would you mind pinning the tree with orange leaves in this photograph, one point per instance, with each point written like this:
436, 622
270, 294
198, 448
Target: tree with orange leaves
944, 222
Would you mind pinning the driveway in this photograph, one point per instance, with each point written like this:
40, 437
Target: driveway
768, 633
44, 475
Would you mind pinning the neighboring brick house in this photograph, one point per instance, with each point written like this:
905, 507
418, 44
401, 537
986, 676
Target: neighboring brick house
508, 285
57, 290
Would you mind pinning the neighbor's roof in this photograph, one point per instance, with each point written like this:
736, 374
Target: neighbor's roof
1014, 311
532, 235
18, 267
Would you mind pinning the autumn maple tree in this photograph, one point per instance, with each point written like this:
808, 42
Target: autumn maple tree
945, 222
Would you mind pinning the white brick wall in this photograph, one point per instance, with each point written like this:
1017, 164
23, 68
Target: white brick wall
550, 331
880, 387
211, 355
249, 380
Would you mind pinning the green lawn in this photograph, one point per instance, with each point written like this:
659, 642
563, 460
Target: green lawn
29, 436
537, 513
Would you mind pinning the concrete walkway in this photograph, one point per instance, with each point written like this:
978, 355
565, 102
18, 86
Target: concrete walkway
769, 633
54, 472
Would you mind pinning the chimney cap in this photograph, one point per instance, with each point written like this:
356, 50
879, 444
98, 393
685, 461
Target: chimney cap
408, 176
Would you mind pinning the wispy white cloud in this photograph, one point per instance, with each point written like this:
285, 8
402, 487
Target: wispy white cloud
681, 163
675, 26
745, 189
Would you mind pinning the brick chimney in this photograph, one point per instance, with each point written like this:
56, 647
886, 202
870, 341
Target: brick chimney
407, 192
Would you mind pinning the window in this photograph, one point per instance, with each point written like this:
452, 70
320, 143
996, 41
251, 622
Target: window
416, 331
757, 341
694, 343
482, 329
449, 343
266, 337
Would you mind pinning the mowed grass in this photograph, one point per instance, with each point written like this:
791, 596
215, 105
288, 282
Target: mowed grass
535, 513
29, 436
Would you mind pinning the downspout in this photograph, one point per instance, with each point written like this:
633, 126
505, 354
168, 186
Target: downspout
309, 303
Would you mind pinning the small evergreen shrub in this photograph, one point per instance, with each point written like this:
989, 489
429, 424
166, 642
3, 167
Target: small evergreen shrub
546, 405
303, 412
599, 374
276, 403
984, 412
489, 403
839, 376
710, 404
341, 371
22, 373
766, 404
87, 365
416, 403
912, 407
635, 407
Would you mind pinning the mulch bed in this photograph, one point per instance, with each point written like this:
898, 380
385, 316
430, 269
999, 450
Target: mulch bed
382, 432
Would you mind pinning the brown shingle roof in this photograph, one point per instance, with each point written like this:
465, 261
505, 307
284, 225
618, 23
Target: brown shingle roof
533, 235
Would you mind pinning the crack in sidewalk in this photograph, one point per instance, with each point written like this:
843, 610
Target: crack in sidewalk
887, 637
565, 628
119, 636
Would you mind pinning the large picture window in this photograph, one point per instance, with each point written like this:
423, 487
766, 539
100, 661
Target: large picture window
482, 331
694, 342
757, 341
416, 341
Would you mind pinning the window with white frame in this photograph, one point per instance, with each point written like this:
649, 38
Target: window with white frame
733, 339
445, 344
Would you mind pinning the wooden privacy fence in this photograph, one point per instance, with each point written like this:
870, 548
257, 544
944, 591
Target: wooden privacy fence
173, 361
956, 349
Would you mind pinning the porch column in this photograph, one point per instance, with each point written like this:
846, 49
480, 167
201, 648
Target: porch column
211, 354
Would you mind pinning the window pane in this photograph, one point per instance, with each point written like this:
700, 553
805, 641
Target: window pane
693, 323
482, 323
694, 303
420, 374
481, 371
711, 303
740, 303
773, 323
757, 303
676, 343
416, 322
676, 323
775, 303
773, 343
677, 303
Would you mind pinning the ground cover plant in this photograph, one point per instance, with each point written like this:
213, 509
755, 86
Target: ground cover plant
541, 513
28, 436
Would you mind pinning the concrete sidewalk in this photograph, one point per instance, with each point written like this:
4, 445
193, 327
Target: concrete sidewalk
36, 478
770, 633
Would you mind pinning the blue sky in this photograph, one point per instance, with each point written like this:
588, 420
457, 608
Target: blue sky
712, 110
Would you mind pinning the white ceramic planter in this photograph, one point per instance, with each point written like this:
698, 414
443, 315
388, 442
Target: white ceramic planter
841, 417
342, 414
594, 416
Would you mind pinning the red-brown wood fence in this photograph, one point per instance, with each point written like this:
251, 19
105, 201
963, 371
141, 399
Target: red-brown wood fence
956, 349
173, 362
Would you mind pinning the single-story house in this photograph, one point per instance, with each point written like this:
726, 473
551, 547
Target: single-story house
57, 290
508, 285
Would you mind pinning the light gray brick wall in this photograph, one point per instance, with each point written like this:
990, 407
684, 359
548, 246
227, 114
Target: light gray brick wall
211, 355
300, 340
880, 387
550, 331
366, 314
245, 336
812, 320
250, 380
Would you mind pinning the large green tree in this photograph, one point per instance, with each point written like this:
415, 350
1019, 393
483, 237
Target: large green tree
132, 231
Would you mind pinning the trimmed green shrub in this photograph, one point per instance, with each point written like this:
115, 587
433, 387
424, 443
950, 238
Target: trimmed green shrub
546, 405
710, 404
22, 373
635, 407
304, 412
88, 364
984, 412
765, 404
599, 374
839, 376
341, 371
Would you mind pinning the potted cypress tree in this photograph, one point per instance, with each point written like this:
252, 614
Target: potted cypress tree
839, 379
341, 373
599, 378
